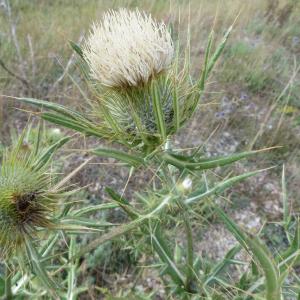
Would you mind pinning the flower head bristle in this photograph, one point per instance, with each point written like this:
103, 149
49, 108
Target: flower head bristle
127, 48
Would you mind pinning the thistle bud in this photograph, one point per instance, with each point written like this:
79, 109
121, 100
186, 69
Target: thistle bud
26, 202
141, 96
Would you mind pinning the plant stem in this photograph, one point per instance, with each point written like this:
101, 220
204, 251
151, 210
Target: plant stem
8, 292
190, 251
190, 247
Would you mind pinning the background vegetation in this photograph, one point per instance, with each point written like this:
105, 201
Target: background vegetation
252, 101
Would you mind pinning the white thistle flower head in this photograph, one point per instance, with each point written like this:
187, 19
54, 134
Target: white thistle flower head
127, 48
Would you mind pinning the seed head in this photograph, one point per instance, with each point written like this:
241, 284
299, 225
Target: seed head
127, 48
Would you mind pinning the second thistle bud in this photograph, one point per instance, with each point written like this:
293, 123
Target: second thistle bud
27, 203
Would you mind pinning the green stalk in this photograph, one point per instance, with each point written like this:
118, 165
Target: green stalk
8, 292
190, 247
122, 229
190, 253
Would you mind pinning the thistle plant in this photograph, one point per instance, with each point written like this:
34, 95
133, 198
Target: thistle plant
142, 94
143, 91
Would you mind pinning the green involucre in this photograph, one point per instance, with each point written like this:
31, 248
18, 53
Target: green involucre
147, 113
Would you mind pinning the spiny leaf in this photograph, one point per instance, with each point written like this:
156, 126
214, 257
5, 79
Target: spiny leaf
219, 267
53, 106
38, 268
218, 51
72, 270
123, 203
205, 67
159, 115
48, 153
182, 162
290, 256
77, 49
133, 160
86, 222
176, 108
93, 208
220, 187
165, 255
77, 125
115, 196
260, 253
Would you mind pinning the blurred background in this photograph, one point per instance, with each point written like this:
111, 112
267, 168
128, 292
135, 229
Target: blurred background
252, 101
